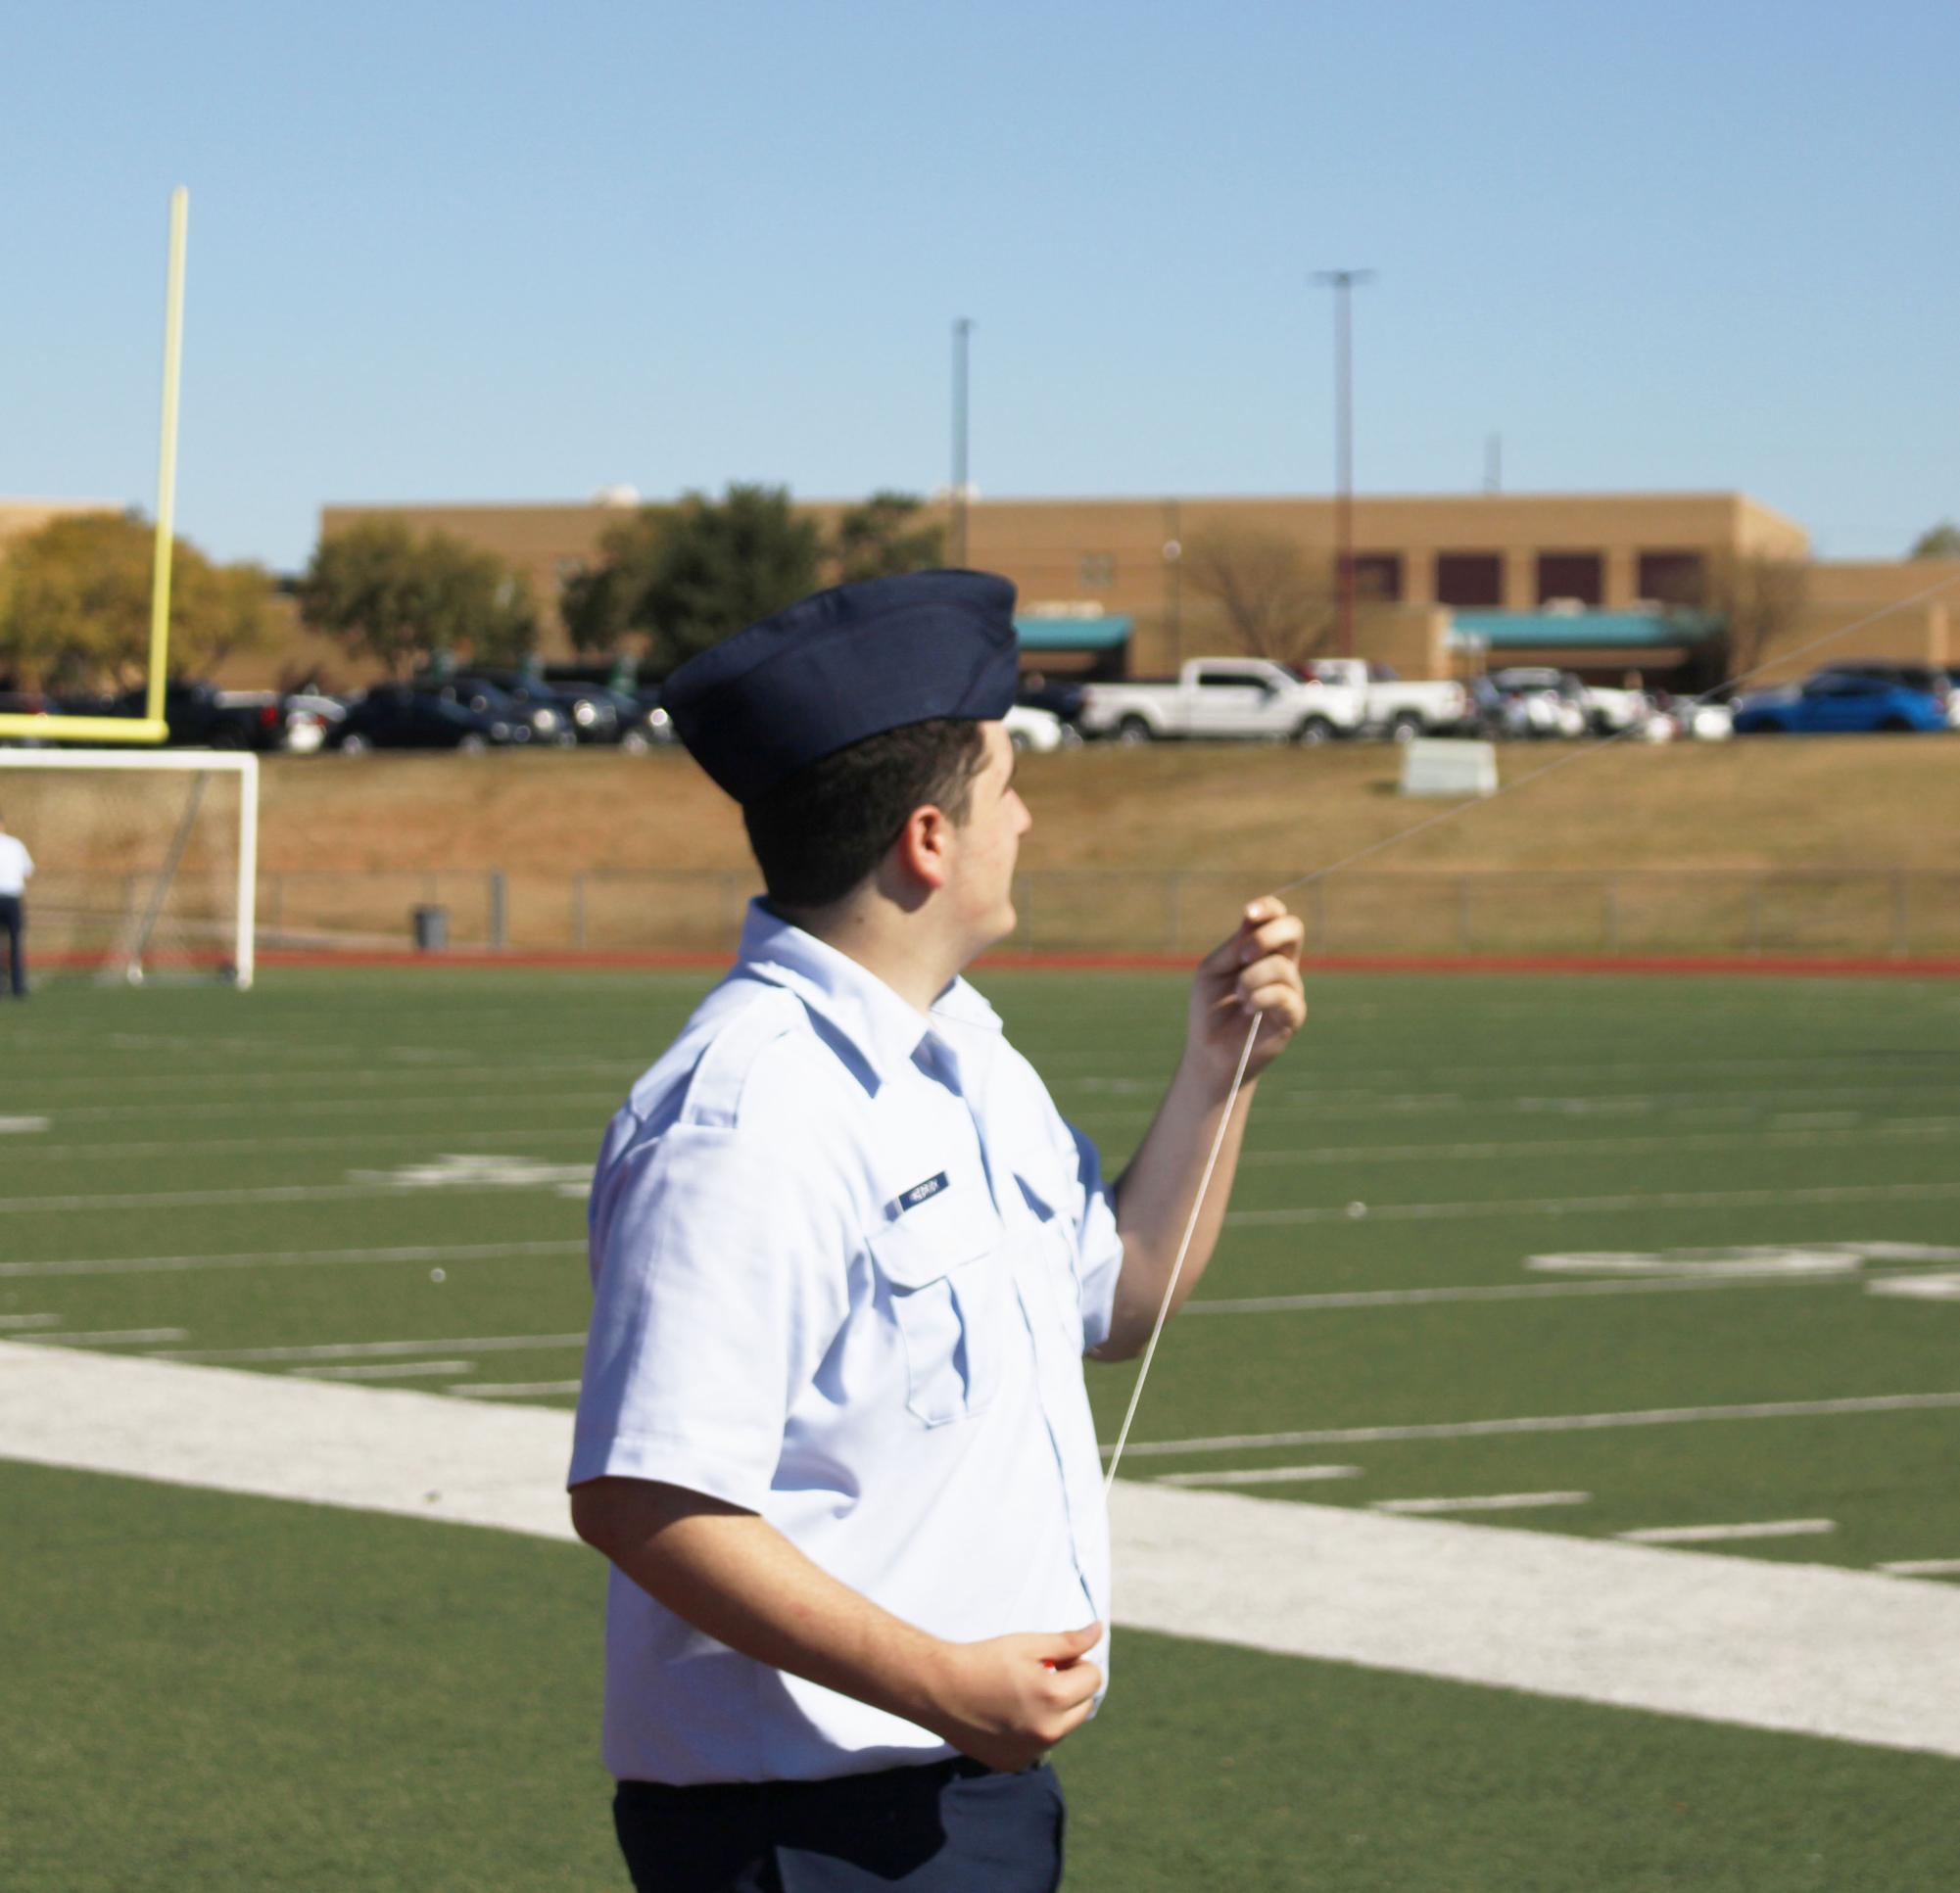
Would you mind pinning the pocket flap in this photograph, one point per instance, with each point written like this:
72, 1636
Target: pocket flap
933, 1238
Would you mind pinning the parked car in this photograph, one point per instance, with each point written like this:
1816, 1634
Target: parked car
510, 699
398, 715
651, 727
1535, 700
1059, 699
1402, 710
1838, 702
1039, 730
1226, 697
202, 717
1936, 682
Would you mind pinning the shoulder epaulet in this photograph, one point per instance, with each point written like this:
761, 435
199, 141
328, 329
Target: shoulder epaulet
714, 1091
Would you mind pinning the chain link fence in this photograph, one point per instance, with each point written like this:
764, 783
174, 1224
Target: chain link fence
1853, 912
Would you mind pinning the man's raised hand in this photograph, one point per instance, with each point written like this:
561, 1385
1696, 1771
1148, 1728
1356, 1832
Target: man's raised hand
1008, 1700
1255, 974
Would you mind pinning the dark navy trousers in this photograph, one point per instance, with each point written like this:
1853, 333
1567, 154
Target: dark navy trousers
948, 1828
14, 924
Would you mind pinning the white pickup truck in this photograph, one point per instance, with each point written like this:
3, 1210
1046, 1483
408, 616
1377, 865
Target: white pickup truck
1215, 697
1402, 710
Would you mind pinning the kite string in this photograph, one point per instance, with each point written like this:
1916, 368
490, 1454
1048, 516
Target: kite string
1184, 1250
1375, 848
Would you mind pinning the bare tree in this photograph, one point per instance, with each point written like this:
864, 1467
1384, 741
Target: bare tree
1759, 599
1276, 596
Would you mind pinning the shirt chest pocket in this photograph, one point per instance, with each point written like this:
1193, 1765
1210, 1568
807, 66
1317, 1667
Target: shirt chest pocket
944, 1273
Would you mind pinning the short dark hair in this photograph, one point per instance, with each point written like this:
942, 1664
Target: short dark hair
817, 835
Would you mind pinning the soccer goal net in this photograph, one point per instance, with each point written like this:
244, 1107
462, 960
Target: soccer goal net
144, 861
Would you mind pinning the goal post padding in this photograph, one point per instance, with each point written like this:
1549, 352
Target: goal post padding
145, 862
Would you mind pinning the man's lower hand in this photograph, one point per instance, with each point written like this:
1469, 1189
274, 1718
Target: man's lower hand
1009, 1700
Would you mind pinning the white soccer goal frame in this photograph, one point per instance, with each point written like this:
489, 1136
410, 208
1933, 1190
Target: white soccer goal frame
197, 762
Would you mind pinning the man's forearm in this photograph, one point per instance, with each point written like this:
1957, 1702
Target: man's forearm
734, 1575
1154, 1198
731, 1573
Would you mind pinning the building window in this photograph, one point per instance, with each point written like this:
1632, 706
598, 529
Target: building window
1473, 580
1578, 576
1674, 578
1378, 576
1098, 571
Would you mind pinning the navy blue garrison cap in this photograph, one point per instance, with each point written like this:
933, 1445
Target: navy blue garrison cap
844, 665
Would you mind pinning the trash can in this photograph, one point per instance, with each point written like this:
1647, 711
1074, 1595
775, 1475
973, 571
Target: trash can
432, 929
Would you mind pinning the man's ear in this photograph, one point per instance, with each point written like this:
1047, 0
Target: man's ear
924, 847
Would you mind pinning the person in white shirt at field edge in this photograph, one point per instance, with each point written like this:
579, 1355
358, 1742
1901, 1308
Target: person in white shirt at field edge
16, 865
847, 1262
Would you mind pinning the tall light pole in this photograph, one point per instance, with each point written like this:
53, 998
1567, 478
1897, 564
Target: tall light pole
961, 331
1342, 282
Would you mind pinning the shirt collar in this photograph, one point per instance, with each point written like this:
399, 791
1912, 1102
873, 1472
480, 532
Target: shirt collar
885, 1029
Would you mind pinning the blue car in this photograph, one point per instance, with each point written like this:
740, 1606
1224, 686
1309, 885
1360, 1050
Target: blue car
1838, 701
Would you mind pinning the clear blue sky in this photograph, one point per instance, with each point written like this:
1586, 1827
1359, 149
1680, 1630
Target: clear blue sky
501, 252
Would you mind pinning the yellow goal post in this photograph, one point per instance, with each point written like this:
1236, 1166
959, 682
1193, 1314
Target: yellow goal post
150, 728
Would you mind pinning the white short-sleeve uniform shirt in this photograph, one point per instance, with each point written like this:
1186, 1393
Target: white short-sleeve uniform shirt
846, 1259
16, 865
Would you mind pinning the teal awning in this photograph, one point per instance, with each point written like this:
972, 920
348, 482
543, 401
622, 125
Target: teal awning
1072, 634
1575, 629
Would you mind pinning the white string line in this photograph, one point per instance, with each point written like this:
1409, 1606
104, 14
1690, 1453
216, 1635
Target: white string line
1184, 1250
1607, 743
1375, 848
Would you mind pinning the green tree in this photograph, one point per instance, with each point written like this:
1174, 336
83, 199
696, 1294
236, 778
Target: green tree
885, 536
683, 578
74, 605
386, 592
1940, 542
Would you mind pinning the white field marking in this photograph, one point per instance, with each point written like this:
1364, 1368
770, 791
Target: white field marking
1915, 1130
105, 1337
388, 1370
195, 1198
1509, 1292
377, 1349
289, 1258
1361, 1103
1922, 1568
516, 1390
1742, 1260
1853, 1655
253, 1146
1550, 1422
362, 1077
1923, 1288
453, 1172
29, 1320
1260, 1476
1775, 1528
21, 1127
524, 1104
1478, 1503
1812, 1119
1581, 1205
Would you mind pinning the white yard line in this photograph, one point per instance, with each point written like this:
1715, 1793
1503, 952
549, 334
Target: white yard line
1923, 1568
1774, 1527
11, 1321
516, 1390
388, 1370
1528, 1148
1548, 1423
288, 1258
1478, 1503
1857, 1656
1520, 1292
1577, 1206
22, 1126
375, 1349
105, 1337
1260, 1476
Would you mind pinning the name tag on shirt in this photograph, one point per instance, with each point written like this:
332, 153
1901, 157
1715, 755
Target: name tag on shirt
921, 1193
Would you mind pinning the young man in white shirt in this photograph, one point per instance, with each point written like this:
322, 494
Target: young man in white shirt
16, 866
847, 1262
